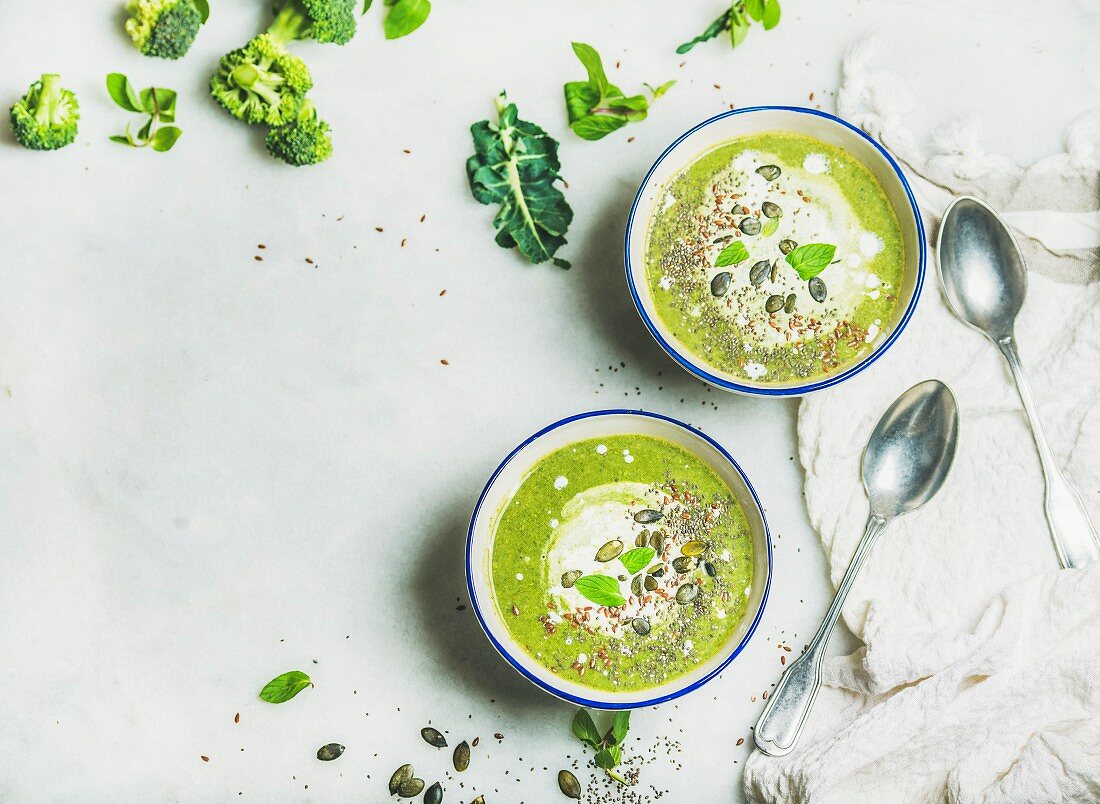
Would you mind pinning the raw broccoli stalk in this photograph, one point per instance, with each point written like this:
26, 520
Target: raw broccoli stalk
45, 118
323, 20
261, 82
303, 141
163, 28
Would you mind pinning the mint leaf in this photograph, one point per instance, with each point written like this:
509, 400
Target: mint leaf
811, 259
769, 227
165, 138
661, 90
118, 86
203, 9
732, 254
600, 589
592, 62
596, 126
585, 728
620, 726
515, 165
771, 14
283, 688
405, 17
712, 30
637, 559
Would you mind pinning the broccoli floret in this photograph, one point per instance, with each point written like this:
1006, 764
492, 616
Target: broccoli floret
261, 82
163, 28
45, 118
323, 20
303, 141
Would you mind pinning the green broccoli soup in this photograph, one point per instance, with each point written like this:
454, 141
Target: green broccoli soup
621, 562
775, 258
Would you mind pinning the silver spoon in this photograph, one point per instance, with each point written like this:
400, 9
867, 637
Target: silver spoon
904, 465
983, 275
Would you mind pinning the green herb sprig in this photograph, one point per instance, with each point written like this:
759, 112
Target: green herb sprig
737, 19
597, 107
282, 688
515, 165
404, 16
158, 103
608, 746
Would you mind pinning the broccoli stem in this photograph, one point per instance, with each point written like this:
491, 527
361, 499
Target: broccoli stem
259, 81
290, 23
49, 98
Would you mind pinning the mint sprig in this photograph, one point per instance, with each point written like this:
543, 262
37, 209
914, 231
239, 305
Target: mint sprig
597, 107
737, 19
608, 746
158, 103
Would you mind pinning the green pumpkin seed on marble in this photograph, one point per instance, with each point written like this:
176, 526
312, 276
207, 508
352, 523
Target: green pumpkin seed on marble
771, 210
650, 583
709, 569
694, 548
657, 541
683, 565
643, 538
478, 800
788, 304
658, 573
461, 756
434, 794
787, 246
648, 516
610, 550
640, 625
749, 225
774, 304
687, 593
410, 788
817, 289
401, 775
720, 285
569, 785
636, 586
433, 737
327, 753
769, 172
775, 270
723, 239
570, 578
759, 272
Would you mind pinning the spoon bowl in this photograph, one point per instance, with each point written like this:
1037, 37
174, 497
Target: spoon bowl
910, 450
981, 267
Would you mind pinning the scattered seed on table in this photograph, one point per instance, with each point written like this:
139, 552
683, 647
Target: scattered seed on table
717, 86
258, 258
406, 150
499, 736
475, 742
310, 261
327, 753
443, 292
204, 758
569, 785
433, 737
260, 245
237, 718
434, 795
410, 788
422, 217
404, 240
461, 756
740, 740
400, 776
378, 228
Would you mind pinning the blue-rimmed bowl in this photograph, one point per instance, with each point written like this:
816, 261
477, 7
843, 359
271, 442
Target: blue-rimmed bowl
755, 120
507, 478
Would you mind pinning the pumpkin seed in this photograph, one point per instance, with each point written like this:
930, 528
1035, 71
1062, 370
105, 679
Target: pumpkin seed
657, 541
609, 551
570, 578
687, 593
410, 788
694, 548
402, 774
461, 756
788, 304
641, 625
769, 172
569, 785
817, 289
787, 246
434, 794
749, 225
709, 568
775, 270
683, 565
327, 753
643, 539
648, 516
650, 583
478, 800
759, 272
720, 285
771, 210
659, 572
723, 239
433, 737
774, 304
636, 586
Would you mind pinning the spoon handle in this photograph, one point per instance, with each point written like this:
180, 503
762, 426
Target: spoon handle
782, 720
1074, 536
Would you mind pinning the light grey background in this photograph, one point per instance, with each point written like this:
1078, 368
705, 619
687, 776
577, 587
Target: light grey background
216, 469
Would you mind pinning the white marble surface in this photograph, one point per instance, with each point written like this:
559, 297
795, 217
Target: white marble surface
217, 469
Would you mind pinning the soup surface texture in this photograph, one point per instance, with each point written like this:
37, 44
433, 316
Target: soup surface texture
621, 562
775, 258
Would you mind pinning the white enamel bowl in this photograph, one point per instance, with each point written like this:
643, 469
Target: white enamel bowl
507, 478
809, 122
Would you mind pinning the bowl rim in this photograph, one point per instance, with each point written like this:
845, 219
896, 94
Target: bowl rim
606, 705
684, 359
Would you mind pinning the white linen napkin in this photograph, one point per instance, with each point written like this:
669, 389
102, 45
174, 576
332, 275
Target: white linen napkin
980, 675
